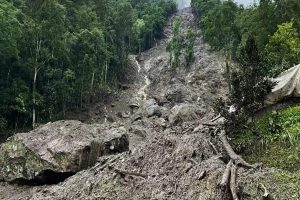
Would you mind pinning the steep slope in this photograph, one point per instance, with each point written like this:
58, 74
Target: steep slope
173, 155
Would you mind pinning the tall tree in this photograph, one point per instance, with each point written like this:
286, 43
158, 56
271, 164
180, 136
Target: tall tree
189, 46
284, 46
175, 44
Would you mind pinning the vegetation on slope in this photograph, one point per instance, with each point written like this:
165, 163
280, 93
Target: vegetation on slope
55, 56
273, 139
263, 40
274, 25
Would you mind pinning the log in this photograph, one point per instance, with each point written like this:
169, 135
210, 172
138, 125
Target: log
213, 147
216, 118
226, 175
233, 182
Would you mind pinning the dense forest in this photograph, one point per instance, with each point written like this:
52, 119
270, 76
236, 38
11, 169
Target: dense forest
56, 55
272, 26
259, 42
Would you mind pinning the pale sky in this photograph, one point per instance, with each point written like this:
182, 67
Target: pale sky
186, 3
183, 3
245, 2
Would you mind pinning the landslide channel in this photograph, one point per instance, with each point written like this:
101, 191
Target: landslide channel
173, 154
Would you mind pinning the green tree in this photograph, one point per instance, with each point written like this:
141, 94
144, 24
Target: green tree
175, 44
284, 45
189, 46
249, 87
42, 40
219, 26
55, 56
139, 29
10, 30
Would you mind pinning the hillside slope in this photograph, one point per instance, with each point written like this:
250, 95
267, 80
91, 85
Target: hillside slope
172, 154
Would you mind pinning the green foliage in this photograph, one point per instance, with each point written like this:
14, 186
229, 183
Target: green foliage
249, 88
189, 46
227, 27
274, 139
219, 28
175, 45
152, 17
290, 180
139, 30
284, 46
10, 29
55, 56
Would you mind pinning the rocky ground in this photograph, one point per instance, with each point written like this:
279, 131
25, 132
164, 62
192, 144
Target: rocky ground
172, 153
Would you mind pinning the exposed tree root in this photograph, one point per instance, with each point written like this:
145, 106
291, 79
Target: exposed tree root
227, 188
238, 160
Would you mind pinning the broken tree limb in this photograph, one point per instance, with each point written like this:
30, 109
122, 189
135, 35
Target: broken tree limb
216, 118
202, 175
238, 160
226, 175
233, 182
213, 147
223, 191
193, 161
188, 167
211, 124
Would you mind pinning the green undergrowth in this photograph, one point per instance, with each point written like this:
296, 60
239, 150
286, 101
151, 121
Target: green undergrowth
273, 139
289, 182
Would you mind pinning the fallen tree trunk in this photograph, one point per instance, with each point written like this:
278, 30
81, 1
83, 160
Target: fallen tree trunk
226, 175
222, 191
233, 182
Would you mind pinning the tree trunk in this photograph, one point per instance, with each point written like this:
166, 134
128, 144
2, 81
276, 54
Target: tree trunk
34, 98
81, 95
36, 70
92, 87
8, 75
140, 48
92, 81
106, 69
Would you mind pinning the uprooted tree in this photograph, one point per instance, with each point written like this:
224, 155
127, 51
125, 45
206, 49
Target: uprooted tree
249, 87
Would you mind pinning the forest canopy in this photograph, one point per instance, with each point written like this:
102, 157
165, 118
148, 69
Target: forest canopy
56, 55
274, 25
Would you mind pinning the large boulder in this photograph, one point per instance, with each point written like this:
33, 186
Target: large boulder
184, 113
63, 146
152, 109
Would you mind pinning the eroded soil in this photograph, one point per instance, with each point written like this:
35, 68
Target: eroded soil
172, 155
